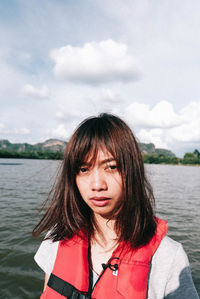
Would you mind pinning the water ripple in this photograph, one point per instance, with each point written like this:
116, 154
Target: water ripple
24, 187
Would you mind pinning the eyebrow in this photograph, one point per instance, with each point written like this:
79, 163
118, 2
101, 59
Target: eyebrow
106, 161
101, 162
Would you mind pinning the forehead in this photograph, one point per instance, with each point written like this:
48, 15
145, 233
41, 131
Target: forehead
100, 155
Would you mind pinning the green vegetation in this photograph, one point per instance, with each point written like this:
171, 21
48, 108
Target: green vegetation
191, 158
159, 157
32, 155
188, 159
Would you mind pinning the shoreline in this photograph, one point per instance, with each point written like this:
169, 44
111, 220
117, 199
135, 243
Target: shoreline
54, 157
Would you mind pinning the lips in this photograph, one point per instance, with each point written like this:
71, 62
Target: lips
100, 201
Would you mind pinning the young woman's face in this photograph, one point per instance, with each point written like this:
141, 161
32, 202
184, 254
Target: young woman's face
100, 185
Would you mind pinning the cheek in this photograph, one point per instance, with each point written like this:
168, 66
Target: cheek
120, 189
118, 181
81, 186
116, 184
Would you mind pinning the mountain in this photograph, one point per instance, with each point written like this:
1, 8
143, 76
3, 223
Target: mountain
56, 145
149, 148
51, 145
164, 152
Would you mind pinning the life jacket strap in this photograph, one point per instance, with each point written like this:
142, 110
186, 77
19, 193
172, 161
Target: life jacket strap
64, 288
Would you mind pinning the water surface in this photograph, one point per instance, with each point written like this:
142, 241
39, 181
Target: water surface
24, 185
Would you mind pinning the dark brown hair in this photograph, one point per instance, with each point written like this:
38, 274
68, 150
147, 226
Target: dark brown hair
68, 214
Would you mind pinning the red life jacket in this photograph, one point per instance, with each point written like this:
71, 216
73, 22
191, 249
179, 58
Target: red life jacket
124, 276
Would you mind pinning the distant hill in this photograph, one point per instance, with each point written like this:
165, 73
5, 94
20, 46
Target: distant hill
56, 145
149, 148
50, 145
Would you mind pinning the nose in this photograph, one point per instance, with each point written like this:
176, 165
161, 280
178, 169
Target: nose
98, 180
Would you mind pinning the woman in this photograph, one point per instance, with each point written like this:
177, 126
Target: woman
103, 238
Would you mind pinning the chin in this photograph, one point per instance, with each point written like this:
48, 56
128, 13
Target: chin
104, 214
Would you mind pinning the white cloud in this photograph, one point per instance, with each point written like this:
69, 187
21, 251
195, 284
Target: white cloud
17, 131
68, 121
21, 131
95, 63
162, 115
101, 100
176, 131
190, 130
70, 116
105, 100
34, 92
2, 127
155, 136
107, 96
61, 131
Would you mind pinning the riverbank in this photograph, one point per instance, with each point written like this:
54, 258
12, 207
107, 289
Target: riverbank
189, 159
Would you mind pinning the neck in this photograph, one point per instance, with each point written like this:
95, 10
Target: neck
105, 232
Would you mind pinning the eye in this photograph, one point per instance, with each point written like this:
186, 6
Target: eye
83, 169
112, 167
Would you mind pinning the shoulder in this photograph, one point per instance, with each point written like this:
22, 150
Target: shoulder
170, 256
46, 255
168, 251
170, 272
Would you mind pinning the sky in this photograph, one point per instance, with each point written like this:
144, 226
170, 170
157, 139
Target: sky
64, 60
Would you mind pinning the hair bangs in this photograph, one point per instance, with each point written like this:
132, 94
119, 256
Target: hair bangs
97, 136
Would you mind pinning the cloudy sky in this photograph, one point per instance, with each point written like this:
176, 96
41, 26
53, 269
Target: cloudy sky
64, 60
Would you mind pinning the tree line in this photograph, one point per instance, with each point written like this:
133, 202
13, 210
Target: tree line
188, 159
46, 155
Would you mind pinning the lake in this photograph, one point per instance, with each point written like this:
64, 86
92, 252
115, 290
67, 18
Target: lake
24, 185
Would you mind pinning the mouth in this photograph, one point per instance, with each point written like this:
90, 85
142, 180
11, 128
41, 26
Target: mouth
100, 201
